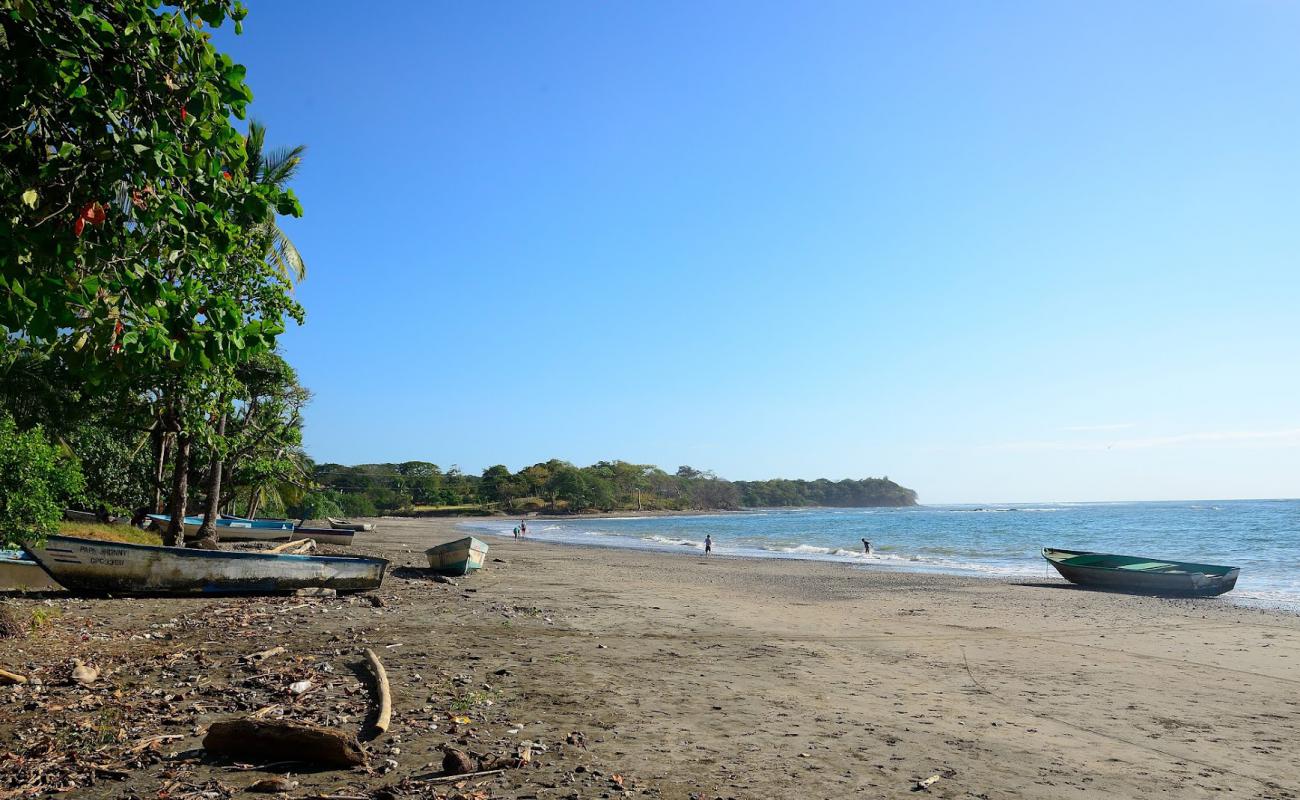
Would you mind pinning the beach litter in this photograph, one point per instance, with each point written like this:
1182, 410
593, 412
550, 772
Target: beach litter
82, 674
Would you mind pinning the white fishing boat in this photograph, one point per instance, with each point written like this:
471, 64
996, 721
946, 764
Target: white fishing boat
344, 525
89, 565
18, 573
324, 536
460, 557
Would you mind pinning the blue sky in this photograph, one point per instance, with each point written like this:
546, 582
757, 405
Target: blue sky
995, 251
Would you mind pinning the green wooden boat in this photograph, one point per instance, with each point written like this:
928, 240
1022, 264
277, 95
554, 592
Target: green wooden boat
460, 557
1141, 575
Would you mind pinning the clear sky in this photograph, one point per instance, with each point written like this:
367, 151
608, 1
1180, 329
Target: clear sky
995, 251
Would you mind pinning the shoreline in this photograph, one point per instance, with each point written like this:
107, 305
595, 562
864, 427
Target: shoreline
859, 564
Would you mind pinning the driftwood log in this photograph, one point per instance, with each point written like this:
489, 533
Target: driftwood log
11, 677
278, 740
385, 714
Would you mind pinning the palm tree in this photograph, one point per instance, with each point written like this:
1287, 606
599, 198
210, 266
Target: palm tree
275, 168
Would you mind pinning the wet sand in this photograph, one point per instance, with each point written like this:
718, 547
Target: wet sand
716, 677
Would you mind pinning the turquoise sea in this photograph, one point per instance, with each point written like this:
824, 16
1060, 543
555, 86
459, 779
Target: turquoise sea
1260, 536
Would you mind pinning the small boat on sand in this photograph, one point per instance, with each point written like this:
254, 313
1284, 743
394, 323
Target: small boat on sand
344, 525
460, 557
18, 573
99, 567
235, 529
1141, 575
324, 535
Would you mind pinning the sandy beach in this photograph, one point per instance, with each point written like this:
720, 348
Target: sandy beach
684, 677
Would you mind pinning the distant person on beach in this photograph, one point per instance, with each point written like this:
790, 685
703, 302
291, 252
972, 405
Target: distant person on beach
708, 544
523, 527
516, 532
866, 547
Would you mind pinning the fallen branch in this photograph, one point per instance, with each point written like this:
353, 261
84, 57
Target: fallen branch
295, 546
11, 677
145, 744
257, 658
464, 777
384, 718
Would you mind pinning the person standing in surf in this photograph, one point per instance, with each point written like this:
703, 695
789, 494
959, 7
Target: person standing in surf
866, 547
708, 544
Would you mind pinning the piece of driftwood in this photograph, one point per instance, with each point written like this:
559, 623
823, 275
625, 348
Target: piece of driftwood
297, 546
11, 677
926, 784
464, 776
257, 658
385, 715
264, 739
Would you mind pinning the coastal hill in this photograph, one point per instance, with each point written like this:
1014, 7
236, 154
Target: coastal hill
560, 487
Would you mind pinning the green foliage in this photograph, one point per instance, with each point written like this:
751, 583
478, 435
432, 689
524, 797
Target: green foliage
316, 505
358, 505
846, 493
560, 487
129, 230
37, 481
116, 466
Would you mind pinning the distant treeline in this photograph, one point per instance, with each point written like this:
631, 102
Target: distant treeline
560, 487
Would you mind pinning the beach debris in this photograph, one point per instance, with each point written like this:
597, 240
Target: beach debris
295, 547
300, 687
463, 776
273, 785
444, 579
82, 674
7, 677
258, 658
924, 786
282, 740
577, 739
385, 713
457, 762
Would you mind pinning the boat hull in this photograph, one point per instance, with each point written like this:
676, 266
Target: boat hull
87, 565
324, 536
1189, 582
236, 530
20, 574
460, 557
355, 527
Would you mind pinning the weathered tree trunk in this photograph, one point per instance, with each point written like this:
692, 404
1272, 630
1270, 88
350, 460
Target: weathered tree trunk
207, 537
175, 536
254, 500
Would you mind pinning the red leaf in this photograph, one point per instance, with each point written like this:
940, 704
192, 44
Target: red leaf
79, 226
94, 213
183, 114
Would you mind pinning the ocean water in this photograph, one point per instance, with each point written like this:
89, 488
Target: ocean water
1260, 536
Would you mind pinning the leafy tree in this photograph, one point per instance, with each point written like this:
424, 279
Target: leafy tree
36, 482
131, 236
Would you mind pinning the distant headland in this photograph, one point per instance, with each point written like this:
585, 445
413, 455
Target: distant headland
559, 487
